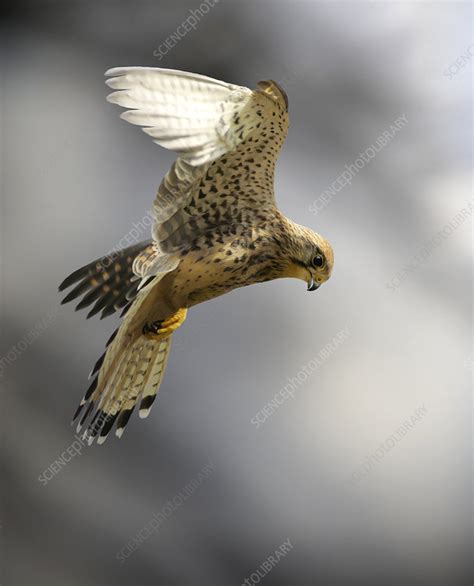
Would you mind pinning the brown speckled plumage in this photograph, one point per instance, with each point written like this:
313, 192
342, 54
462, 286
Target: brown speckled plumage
217, 227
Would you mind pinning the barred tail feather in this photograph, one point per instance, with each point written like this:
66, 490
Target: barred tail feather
129, 372
154, 376
133, 376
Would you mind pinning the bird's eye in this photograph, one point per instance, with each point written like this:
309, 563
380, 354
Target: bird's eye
318, 261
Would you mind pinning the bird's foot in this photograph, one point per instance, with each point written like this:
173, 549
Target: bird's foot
164, 327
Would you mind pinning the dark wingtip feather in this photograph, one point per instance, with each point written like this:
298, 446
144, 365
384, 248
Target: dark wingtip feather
98, 279
100, 304
109, 310
78, 290
89, 298
121, 302
112, 338
126, 308
97, 365
132, 291
73, 277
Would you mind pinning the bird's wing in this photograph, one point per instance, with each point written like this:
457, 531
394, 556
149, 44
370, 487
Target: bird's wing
187, 113
108, 282
227, 137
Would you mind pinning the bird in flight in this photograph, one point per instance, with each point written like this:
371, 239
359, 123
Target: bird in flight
216, 227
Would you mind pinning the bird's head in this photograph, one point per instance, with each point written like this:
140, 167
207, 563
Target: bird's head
310, 257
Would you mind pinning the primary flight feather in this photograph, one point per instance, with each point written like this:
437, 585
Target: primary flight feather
216, 227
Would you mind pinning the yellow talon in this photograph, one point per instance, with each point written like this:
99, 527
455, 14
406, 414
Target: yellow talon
162, 328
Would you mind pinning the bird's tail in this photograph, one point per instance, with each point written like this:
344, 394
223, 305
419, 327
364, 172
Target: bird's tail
132, 366
129, 372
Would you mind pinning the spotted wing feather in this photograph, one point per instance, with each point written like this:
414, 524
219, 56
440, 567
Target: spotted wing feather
227, 137
107, 283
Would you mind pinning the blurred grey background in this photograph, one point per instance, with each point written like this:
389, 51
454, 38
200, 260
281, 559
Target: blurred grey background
75, 178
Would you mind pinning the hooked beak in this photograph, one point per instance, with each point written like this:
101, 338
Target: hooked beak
312, 285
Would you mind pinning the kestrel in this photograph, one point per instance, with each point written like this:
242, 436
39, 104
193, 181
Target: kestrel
216, 227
